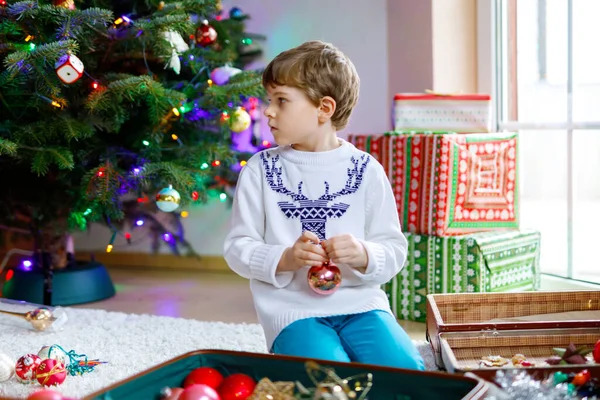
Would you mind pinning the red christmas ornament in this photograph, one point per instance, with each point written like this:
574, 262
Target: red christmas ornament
51, 373
206, 375
596, 352
26, 368
206, 34
45, 395
70, 4
324, 279
237, 387
199, 392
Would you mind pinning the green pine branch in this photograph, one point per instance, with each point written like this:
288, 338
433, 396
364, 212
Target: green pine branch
44, 157
8, 147
51, 51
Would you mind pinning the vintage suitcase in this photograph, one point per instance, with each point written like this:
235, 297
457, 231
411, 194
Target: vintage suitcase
388, 383
481, 312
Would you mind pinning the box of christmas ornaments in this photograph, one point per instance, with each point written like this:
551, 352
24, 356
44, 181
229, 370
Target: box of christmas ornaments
231, 375
461, 317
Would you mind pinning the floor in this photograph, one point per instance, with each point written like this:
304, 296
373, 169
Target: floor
217, 296
198, 295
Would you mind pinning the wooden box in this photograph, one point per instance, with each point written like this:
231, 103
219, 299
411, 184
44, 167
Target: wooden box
462, 351
524, 311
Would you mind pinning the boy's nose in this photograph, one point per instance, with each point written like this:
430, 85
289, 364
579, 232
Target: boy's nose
269, 112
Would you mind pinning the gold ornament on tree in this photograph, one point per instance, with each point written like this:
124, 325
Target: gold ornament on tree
239, 120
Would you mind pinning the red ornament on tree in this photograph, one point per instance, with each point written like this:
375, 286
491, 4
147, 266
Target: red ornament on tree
206, 34
324, 279
51, 373
70, 4
206, 375
237, 387
26, 368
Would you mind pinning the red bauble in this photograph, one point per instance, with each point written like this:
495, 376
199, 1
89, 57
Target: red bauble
199, 392
45, 395
70, 4
596, 352
26, 368
51, 373
237, 387
324, 279
206, 34
206, 375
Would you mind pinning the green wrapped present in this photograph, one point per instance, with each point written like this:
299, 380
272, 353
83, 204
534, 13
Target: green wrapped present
496, 261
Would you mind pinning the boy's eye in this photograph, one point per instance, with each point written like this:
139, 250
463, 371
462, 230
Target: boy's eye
282, 100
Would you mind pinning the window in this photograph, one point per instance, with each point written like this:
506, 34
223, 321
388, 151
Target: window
546, 84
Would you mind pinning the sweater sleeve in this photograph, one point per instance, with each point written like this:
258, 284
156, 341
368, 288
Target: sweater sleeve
384, 242
245, 250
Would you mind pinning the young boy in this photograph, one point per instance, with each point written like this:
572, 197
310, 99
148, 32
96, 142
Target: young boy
312, 199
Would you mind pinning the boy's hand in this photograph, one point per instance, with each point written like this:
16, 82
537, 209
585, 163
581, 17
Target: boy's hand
346, 249
306, 251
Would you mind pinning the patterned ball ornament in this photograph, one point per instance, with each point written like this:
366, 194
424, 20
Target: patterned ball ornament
168, 199
51, 373
26, 368
206, 34
324, 279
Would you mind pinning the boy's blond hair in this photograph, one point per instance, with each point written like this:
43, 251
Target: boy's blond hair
319, 69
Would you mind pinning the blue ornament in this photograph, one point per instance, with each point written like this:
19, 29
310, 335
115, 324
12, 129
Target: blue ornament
236, 13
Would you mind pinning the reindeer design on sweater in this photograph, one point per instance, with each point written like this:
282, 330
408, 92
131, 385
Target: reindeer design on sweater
313, 214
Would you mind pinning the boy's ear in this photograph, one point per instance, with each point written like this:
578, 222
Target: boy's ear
326, 109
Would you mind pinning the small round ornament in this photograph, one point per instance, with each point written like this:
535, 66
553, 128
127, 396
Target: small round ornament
69, 4
221, 75
7, 367
55, 353
51, 373
26, 368
199, 391
239, 120
206, 375
45, 395
206, 34
237, 387
168, 199
324, 279
170, 393
235, 13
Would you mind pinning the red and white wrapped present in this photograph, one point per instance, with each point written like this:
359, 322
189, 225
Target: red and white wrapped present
461, 113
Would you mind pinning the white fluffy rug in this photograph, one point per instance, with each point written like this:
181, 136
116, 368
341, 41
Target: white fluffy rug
129, 343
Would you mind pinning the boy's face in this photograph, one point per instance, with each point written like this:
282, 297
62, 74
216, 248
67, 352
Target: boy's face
293, 118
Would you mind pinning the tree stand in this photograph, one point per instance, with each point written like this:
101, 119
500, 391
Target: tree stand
41, 284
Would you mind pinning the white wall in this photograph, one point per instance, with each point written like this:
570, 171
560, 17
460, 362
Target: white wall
357, 27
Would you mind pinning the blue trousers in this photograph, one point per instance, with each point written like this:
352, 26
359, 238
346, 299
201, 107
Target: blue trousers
372, 337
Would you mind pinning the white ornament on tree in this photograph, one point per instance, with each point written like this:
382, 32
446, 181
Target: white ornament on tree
7, 367
178, 46
69, 68
168, 199
221, 75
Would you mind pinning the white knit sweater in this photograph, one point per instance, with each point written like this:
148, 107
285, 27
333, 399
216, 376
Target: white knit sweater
282, 192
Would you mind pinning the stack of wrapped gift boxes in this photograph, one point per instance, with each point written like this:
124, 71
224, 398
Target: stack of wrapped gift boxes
456, 187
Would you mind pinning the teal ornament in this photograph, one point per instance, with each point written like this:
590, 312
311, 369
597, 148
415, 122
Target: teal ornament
168, 199
560, 377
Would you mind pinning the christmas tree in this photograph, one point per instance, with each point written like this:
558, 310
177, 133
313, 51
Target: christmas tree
109, 110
